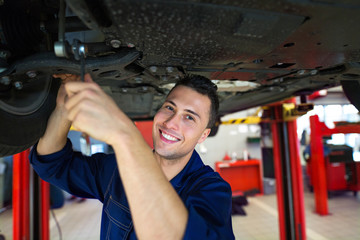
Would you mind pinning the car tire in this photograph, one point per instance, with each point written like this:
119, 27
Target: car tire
20, 130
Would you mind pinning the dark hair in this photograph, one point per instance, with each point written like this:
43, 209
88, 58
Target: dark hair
205, 87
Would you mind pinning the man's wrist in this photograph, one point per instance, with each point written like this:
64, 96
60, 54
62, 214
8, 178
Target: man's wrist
125, 139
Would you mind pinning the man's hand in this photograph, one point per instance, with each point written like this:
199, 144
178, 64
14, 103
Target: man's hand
58, 124
94, 112
62, 96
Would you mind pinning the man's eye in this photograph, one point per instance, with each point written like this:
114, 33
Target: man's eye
169, 108
189, 118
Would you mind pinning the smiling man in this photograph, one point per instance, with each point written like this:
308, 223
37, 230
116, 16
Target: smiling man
161, 193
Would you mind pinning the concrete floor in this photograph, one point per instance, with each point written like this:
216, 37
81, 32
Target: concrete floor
82, 220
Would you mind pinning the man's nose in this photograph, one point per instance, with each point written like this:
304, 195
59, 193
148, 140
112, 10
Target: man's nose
172, 122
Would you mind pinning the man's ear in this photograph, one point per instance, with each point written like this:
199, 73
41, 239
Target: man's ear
204, 135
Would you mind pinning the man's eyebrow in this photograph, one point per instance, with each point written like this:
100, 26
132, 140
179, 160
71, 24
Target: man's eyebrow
169, 101
186, 110
192, 112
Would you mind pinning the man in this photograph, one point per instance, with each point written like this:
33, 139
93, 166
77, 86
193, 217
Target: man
164, 193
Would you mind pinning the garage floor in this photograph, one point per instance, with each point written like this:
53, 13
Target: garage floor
81, 221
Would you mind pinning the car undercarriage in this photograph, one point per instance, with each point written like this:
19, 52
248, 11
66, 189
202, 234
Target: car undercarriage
258, 52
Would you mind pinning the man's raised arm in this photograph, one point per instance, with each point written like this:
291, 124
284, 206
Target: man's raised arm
58, 125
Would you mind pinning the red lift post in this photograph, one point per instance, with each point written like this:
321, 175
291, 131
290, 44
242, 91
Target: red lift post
288, 174
318, 173
21, 203
29, 224
44, 209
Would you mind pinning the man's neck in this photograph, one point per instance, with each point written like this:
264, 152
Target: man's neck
172, 167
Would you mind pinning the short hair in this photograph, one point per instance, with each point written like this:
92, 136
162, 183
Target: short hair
205, 87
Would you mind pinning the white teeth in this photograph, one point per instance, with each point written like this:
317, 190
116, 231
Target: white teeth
168, 137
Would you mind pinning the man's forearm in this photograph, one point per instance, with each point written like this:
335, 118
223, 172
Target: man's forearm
55, 136
157, 210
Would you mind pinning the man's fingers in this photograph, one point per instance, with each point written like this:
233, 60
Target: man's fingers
67, 77
81, 96
74, 112
77, 97
75, 87
88, 78
84, 115
73, 78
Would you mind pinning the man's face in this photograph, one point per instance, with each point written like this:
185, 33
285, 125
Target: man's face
181, 123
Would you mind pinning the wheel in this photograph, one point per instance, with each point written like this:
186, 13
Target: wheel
24, 112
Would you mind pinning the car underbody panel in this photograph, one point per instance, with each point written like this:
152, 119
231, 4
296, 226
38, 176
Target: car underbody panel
284, 48
258, 52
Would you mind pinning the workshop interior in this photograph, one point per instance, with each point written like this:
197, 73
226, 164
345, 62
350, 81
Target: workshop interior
287, 138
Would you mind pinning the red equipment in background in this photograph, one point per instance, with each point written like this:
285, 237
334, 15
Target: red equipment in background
342, 173
145, 127
319, 169
242, 176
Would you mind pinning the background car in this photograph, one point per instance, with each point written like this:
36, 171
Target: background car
258, 52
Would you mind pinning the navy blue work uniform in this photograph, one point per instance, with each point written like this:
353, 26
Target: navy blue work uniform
205, 194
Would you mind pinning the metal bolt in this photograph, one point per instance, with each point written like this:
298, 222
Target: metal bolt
42, 27
278, 80
82, 50
153, 69
18, 85
258, 61
60, 49
130, 45
124, 90
115, 43
138, 80
31, 74
4, 54
301, 72
169, 69
5, 80
313, 72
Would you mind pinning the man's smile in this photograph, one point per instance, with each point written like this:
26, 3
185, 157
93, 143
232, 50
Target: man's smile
167, 137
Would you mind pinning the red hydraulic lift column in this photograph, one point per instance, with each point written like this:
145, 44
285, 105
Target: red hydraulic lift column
44, 210
297, 179
31, 201
318, 173
288, 174
21, 203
